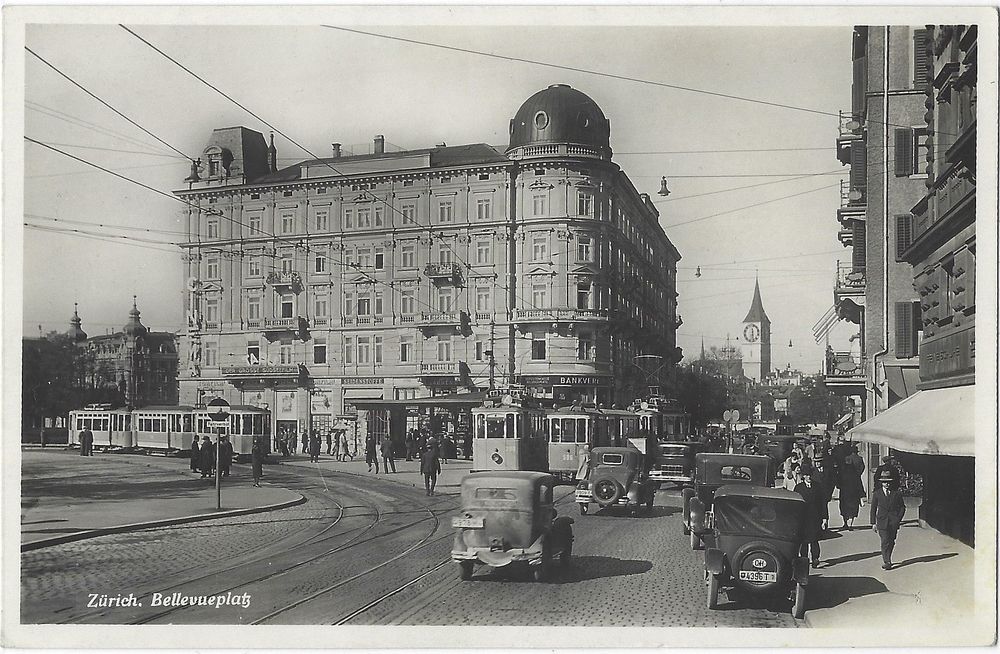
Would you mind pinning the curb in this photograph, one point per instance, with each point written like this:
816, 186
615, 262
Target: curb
138, 526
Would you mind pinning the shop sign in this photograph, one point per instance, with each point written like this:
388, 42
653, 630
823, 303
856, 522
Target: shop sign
321, 401
440, 381
324, 382
363, 381
565, 380
948, 356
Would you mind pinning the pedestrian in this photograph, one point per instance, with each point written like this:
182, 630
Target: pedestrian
206, 457
305, 441
467, 447
257, 463
887, 513
283, 444
444, 451
371, 452
314, 447
194, 454
335, 437
411, 444
812, 516
225, 455
293, 442
430, 465
345, 447
823, 482
329, 443
792, 478
852, 490
387, 454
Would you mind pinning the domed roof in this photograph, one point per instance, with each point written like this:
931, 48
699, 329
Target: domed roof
560, 114
76, 331
133, 327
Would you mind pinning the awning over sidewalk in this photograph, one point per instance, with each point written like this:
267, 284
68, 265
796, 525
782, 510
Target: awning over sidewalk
939, 421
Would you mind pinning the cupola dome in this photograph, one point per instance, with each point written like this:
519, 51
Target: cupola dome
561, 115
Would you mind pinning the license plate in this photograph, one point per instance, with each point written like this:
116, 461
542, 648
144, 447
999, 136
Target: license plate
758, 576
467, 523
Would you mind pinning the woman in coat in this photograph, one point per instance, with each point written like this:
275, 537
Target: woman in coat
194, 454
852, 490
257, 463
430, 466
206, 457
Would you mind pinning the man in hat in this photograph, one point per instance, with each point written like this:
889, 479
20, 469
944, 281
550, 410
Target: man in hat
887, 513
812, 517
225, 455
206, 454
823, 481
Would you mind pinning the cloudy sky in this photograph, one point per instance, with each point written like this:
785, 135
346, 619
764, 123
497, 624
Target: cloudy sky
754, 185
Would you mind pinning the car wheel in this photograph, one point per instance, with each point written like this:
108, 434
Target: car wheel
607, 491
799, 607
695, 541
713, 592
584, 508
465, 570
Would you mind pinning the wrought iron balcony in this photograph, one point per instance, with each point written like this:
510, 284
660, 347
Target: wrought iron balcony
290, 280
844, 369
443, 271
851, 129
848, 281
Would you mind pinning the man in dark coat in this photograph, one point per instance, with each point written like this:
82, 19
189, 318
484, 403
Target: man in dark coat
887, 513
86, 442
824, 483
812, 517
225, 455
194, 454
387, 455
206, 457
371, 452
305, 441
257, 463
430, 465
314, 447
411, 445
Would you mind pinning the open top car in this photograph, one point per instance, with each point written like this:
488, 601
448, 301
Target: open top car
754, 544
711, 472
674, 462
616, 476
508, 517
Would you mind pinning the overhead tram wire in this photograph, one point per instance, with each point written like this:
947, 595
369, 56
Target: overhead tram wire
95, 147
79, 122
624, 78
95, 97
87, 172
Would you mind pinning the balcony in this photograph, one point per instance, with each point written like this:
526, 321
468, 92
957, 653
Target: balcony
442, 369
848, 282
281, 280
528, 316
444, 272
853, 202
851, 129
844, 371
454, 319
283, 324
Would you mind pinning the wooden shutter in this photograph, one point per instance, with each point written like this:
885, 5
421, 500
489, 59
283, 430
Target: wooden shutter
904, 152
907, 323
859, 167
921, 58
858, 246
904, 233
859, 85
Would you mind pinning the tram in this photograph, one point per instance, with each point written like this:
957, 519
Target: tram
169, 429
573, 431
663, 418
508, 433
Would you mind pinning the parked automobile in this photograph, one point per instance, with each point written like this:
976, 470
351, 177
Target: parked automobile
711, 472
508, 517
674, 463
754, 542
616, 476
778, 446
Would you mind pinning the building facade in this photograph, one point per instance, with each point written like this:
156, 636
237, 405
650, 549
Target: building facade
425, 272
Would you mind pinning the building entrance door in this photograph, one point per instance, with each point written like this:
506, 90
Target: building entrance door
284, 430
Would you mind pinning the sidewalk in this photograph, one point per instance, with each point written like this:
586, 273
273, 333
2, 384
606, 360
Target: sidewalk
66, 497
931, 584
407, 472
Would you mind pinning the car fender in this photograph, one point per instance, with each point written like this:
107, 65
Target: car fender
686, 496
696, 513
715, 561
800, 570
634, 493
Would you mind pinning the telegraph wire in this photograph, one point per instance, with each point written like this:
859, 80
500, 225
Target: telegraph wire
79, 122
95, 147
751, 206
645, 152
739, 188
90, 172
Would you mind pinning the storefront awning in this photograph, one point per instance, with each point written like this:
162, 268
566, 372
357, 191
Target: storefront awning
362, 394
939, 421
456, 401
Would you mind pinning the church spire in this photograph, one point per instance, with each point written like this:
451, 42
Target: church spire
702, 357
756, 312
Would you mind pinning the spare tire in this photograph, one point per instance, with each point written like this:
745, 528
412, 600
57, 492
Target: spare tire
607, 491
758, 567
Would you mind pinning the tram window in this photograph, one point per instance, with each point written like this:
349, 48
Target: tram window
104, 424
554, 430
510, 426
494, 427
569, 430
480, 426
581, 430
248, 426
187, 423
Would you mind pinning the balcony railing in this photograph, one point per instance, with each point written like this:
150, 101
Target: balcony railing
560, 315
443, 271
282, 324
441, 369
848, 280
851, 125
285, 279
484, 316
844, 368
442, 318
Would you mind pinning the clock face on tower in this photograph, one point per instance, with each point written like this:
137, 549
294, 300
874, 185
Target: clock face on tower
751, 333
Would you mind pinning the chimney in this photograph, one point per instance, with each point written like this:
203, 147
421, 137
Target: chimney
379, 144
336, 150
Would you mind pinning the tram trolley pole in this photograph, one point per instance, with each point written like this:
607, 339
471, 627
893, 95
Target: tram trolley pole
218, 412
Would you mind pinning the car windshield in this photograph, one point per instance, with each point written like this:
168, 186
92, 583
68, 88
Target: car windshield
612, 459
781, 519
674, 450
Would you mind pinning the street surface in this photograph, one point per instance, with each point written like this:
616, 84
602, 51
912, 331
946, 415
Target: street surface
366, 551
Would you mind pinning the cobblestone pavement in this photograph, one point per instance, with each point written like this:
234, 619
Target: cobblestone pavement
364, 551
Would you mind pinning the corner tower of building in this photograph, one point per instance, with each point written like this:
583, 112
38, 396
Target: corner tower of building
756, 339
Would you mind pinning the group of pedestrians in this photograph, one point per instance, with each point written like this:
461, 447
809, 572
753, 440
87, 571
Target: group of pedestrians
203, 456
86, 443
815, 471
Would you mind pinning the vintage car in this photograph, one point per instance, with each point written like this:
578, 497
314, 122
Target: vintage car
674, 462
779, 446
754, 544
616, 476
508, 517
712, 471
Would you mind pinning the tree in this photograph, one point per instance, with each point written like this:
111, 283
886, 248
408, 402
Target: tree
813, 402
702, 395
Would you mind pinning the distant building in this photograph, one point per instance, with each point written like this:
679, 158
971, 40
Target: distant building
755, 339
401, 275
140, 364
786, 377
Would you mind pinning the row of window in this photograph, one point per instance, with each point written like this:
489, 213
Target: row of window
374, 216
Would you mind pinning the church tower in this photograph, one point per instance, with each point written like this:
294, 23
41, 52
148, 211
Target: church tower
755, 339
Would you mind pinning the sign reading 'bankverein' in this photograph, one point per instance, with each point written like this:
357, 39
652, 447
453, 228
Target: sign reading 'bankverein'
565, 380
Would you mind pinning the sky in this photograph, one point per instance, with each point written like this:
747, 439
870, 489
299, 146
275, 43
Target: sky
322, 85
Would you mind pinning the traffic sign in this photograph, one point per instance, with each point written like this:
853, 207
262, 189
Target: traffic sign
736, 415
727, 415
218, 410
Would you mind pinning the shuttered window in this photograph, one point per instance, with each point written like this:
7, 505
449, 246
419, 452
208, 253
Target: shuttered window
904, 233
921, 58
859, 247
859, 84
859, 167
907, 324
904, 151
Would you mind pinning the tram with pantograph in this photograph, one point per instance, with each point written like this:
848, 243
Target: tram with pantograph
574, 430
508, 432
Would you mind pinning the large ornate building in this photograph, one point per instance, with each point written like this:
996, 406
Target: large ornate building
400, 275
